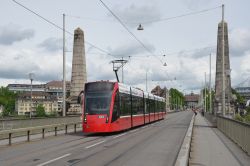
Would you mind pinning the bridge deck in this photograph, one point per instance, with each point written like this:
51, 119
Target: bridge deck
154, 144
211, 147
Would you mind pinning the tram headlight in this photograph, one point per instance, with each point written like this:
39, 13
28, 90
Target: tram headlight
85, 119
107, 119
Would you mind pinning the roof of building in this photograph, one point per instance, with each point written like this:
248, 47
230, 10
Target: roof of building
25, 86
36, 96
57, 83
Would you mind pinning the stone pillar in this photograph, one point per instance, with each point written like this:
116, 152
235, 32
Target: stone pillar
218, 77
79, 74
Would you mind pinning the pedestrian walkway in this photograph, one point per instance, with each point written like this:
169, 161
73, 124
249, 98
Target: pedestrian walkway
210, 147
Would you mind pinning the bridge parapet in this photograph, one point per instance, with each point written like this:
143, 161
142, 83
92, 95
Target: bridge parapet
237, 131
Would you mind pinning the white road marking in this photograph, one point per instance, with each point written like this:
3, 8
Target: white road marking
94, 144
120, 135
50, 161
132, 131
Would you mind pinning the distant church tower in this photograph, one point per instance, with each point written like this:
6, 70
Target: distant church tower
79, 74
218, 77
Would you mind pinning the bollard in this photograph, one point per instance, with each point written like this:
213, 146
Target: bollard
43, 133
55, 131
75, 127
66, 129
9, 138
28, 135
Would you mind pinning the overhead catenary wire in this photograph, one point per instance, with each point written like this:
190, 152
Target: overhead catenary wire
149, 21
133, 35
173, 53
179, 16
59, 27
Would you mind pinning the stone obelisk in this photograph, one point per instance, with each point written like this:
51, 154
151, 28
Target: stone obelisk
79, 74
227, 71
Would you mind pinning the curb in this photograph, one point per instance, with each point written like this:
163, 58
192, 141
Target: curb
183, 156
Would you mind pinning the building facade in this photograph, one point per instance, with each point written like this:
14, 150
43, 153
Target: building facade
55, 88
244, 91
52, 88
192, 100
25, 106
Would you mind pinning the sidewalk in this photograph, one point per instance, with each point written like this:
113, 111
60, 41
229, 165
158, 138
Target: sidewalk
209, 147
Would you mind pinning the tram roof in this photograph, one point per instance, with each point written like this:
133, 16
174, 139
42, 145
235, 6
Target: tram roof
138, 92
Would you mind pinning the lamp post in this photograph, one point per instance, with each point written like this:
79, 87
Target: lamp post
31, 76
64, 71
210, 89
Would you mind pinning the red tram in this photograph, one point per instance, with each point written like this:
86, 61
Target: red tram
112, 106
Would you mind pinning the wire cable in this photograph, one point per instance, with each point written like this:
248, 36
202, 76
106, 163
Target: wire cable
133, 35
182, 15
57, 26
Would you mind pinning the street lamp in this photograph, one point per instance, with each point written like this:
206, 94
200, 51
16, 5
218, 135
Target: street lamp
140, 28
31, 76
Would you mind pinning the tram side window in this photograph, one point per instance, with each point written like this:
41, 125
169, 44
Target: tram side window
140, 109
146, 106
151, 106
163, 106
156, 106
137, 105
125, 104
116, 108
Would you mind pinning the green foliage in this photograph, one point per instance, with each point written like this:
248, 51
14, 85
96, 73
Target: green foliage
247, 118
53, 114
208, 98
239, 99
239, 118
176, 98
248, 110
7, 99
40, 111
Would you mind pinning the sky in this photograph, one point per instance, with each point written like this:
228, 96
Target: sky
29, 44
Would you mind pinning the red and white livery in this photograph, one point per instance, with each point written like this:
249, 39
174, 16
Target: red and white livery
112, 106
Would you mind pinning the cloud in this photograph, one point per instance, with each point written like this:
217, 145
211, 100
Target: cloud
194, 4
18, 63
239, 40
51, 44
134, 15
131, 49
11, 33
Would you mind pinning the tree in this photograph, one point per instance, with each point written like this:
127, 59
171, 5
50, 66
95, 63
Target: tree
176, 98
40, 111
239, 99
7, 99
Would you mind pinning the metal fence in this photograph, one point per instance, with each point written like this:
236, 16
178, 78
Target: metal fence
23, 123
237, 131
27, 132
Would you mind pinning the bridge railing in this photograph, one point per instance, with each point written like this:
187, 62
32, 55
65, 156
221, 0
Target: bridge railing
15, 123
239, 132
27, 132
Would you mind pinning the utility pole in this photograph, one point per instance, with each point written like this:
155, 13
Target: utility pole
31, 76
146, 81
223, 65
210, 90
205, 89
64, 71
122, 70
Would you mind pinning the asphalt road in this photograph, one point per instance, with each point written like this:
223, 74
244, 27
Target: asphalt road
150, 145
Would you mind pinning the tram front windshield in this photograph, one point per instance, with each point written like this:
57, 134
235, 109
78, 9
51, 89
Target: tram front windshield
97, 102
